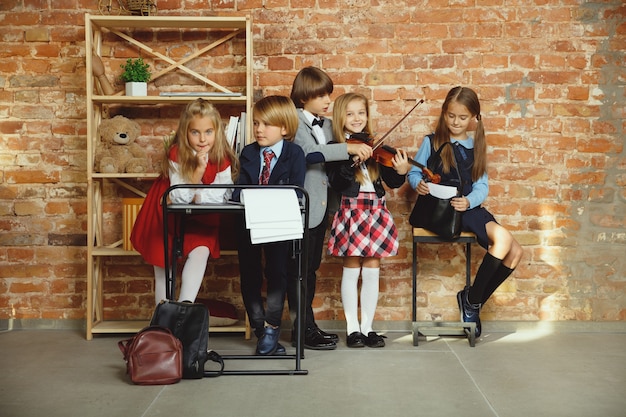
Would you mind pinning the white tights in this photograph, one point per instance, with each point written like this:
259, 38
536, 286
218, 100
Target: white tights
193, 273
350, 298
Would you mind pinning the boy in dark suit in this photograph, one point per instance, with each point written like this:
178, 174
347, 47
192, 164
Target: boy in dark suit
272, 159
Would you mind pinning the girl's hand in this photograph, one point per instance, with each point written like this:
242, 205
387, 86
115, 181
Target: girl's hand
400, 162
460, 203
422, 188
203, 160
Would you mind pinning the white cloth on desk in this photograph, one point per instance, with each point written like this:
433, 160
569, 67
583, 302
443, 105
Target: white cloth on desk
272, 215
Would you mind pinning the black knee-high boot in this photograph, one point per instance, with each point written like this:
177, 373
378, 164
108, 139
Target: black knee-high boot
501, 274
485, 273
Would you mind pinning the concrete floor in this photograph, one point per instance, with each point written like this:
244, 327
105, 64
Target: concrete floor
534, 372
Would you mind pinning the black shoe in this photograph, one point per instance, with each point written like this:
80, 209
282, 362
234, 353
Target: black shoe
356, 340
330, 336
374, 340
469, 312
313, 339
280, 350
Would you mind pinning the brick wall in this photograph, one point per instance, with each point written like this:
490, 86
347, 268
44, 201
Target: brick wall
551, 79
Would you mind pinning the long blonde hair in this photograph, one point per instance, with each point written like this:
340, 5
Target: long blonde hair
340, 111
219, 152
468, 98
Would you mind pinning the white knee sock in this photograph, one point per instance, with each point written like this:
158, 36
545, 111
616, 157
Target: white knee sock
159, 284
350, 298
193, 273
369, 298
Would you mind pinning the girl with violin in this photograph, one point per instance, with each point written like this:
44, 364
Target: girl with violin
504, 253
363, 230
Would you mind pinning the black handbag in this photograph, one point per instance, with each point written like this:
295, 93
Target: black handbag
189, 322
436, 214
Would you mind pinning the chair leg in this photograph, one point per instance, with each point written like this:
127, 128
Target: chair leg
248, 331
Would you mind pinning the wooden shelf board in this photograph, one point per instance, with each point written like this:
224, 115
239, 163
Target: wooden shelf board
121, 100
113, 252
120, 326
151, 22
133, 326
150, 175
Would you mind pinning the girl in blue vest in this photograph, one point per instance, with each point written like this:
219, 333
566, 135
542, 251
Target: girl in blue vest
504, 253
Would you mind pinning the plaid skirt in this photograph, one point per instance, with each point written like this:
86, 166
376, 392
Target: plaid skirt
363, 227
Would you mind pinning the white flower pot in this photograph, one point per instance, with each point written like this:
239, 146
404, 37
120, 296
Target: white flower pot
136, 89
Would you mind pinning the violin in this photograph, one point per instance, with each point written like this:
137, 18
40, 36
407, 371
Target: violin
384, 154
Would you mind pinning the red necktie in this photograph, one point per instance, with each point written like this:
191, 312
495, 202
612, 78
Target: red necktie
267, 159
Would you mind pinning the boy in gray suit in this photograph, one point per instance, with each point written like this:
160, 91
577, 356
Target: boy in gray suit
311, 94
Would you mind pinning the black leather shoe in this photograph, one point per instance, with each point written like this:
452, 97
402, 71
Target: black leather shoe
314, 340
280, 350
374, 340
329, 336
356, 340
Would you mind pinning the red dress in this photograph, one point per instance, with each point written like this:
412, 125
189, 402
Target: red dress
200, 230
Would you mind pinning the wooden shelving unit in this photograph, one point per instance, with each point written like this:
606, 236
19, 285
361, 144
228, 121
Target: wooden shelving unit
103, 33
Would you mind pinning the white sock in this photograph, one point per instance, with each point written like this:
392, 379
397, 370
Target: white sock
159, 284
193, 273
350, 298
369, 298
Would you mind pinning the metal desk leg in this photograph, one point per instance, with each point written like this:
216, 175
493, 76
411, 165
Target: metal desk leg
414, 296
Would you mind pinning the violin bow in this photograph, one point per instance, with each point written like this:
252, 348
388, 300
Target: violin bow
380, 141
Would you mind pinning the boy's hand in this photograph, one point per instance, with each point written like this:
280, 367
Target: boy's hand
360, 150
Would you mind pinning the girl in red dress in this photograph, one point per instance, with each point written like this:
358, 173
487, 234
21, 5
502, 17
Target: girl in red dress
197, 154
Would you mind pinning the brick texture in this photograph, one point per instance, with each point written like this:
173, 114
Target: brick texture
551, 82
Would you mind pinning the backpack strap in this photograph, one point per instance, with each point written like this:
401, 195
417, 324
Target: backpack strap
217, 358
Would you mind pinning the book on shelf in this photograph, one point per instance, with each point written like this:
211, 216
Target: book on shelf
231, 130
241, 133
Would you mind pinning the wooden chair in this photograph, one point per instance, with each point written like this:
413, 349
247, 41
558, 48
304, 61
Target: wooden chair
442, 328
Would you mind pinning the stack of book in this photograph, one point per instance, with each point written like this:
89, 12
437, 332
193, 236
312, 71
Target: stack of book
236, 132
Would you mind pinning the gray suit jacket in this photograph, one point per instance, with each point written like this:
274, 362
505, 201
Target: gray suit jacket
316, 181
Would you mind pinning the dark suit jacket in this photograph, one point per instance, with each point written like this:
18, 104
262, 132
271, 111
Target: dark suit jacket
290, 167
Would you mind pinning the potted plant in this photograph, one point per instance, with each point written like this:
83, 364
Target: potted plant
136, 76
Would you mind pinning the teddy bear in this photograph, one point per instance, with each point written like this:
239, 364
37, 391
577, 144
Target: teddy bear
117, 151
